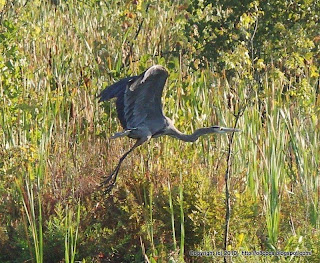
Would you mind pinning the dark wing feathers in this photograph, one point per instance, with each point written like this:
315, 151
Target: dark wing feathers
138, 97
120, 111
142, 99
114, 90
133, 98
117, 90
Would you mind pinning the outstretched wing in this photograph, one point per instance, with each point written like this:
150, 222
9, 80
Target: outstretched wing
138, 97
142, 97
117, 90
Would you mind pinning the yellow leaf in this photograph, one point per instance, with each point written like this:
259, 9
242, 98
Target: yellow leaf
37, 29
2, 4
240, 239
314, 71
139, 5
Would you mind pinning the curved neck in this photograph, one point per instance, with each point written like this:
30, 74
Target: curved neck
190, 137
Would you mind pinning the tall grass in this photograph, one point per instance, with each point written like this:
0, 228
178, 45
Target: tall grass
149, 218
55, 147
35, 220
182, 238
274, 174
172, 218
71, 233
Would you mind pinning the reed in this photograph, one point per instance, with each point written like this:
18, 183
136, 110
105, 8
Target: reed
72, 221
54, 145
182, 220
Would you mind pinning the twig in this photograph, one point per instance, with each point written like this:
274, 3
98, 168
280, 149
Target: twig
241, 111
227, 182
251, 40
141, 23
146, 259
138, 31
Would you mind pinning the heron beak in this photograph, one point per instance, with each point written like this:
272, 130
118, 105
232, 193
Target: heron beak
225, 130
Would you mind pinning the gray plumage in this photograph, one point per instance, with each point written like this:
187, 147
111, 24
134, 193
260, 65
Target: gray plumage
139, 110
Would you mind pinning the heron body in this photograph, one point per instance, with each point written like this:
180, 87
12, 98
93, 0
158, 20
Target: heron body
139, 109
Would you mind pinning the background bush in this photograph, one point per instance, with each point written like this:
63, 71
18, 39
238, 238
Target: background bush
258, 58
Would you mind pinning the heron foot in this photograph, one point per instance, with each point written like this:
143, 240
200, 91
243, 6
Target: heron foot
110, 181
108, 184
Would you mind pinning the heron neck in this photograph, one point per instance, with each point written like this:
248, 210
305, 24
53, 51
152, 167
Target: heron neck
191, 137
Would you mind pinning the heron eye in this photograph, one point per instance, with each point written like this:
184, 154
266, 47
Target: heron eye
221, 129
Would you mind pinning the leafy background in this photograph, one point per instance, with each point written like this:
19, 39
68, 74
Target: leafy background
257, 58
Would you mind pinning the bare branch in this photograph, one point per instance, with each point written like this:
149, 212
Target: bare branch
227, 185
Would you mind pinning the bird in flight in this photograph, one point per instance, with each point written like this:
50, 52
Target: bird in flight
139, 110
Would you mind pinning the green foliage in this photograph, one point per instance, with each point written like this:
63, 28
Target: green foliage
274, 31
214, 27
223, 57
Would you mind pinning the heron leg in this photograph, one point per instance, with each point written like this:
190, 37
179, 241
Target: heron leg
110, 181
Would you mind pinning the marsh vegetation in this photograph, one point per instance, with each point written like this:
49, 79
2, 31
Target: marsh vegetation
225, 58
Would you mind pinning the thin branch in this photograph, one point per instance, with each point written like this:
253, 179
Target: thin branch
227, 185
141, 23
251, 40
138, 31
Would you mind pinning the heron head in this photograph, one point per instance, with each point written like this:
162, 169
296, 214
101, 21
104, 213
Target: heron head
219, 129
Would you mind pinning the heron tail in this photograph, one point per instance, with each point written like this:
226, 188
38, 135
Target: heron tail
121, 134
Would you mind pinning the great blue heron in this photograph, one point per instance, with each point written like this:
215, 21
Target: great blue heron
140, 112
